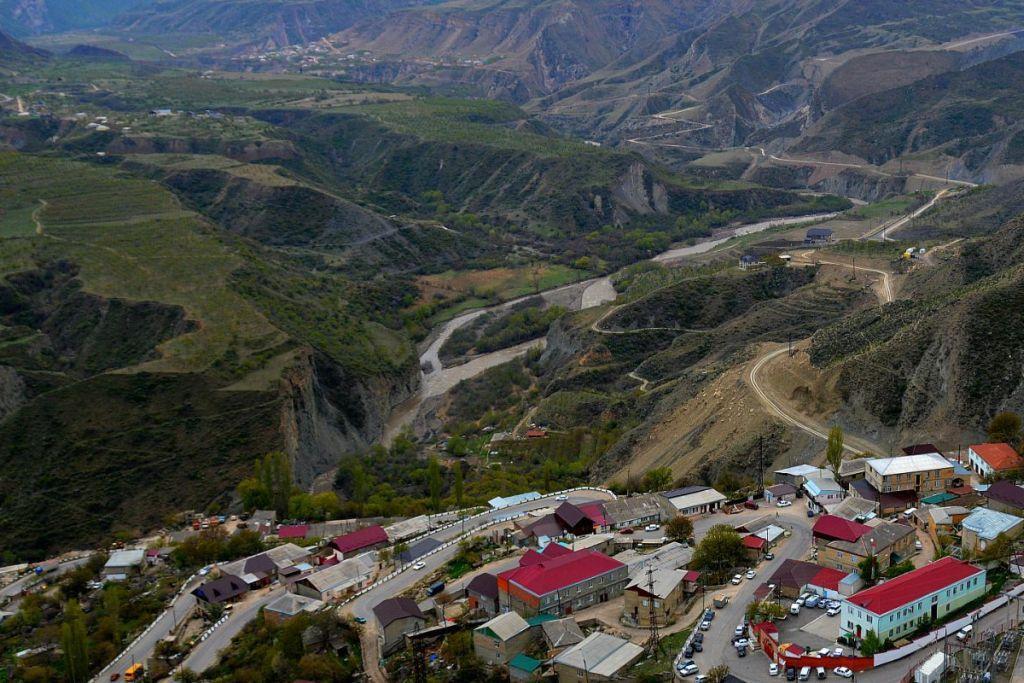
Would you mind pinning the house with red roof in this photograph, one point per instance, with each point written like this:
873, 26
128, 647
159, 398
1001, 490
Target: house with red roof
896, 608
293, 531
755, 546
990, 458
830, 528
562, 585
360, 541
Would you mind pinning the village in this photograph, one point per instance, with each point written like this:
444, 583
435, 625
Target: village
883, 569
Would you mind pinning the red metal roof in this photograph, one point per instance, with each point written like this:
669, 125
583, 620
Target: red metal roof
595, 511
561, 572
755, 542
999, 456
293, 531
530, 557
827, 578
692, 576
914, 585
555, 550
766, 626
961, 490
839, 529
362, 538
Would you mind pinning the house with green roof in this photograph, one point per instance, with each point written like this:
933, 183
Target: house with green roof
523, 668
502, 638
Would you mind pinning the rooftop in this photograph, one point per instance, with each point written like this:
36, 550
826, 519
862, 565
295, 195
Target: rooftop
524, 663
346, 574
293, 531
999, 456
988, 524
907, 464
827, 578
359, 539
562, 632
848, 468
878, 538
665, 581
286, 554
853, 507
504, 626
781, 490
1007, 493
394, 609
838, 528
671, 556
126, 558
802, 471
600, 654
484, 584
794, 573
938, 498
692, 496
754, 542
291, 604
626, 509
553, 574
914, 585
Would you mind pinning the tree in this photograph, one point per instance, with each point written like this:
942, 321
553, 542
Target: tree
458, 487
1005, 426
396, 552
871, 644
73, 642
270, 485
679, 528
112, 607
657, 479
720, 550
834, 451
764, 610
186, 676
718, 674
999, 550
868, 569
434, 483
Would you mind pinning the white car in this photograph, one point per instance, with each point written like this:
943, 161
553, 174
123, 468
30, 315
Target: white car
824, 652
562, 497
784, 503
687, 669
773, 669
838, 652
651, 527
842, 672
742, 642
740, 630
705, 625
833, 611
736, 580
419, 565
918, 545
751, 573
794, 608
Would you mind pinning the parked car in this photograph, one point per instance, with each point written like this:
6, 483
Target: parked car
751, 573
687, 668
824, 652
773, 669
698, 637
688, 651
811, 601
742, 642
794, 608
705, 625
838, 652
562, 497
842, 672
805, 673
784, 503
790, 674
698, 646
739, 631
769, 556
821, 673
833, 611
810, 512
627, 530
751, 505
360, 620
651, 527
736, 580
709, 615
965, 632
741, 652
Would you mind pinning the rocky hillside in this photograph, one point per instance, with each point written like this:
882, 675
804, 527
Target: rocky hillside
36, 17
147, 357
949, 356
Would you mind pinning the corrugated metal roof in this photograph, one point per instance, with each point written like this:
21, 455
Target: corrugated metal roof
505, 626
907, 464
801, 471
705, 496
603, 655
988, 524
665, 581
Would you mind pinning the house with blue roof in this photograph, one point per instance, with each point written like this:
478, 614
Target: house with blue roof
983, 526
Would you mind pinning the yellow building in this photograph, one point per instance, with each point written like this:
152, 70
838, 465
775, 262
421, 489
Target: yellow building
924, 474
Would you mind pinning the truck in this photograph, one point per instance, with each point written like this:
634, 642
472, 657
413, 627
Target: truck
931, 670
134, 673
720, 601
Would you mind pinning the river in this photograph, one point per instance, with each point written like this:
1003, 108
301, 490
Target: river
578, 296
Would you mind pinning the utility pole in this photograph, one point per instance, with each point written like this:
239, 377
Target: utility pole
655, 642
760, 463
419, 666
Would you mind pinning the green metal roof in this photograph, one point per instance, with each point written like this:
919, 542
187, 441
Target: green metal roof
938, 498
524, 663
540, 619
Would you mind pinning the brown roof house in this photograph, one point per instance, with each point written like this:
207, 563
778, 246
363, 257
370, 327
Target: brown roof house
482, 593
655, 594
396, 617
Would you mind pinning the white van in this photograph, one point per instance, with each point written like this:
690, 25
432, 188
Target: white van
805, 673
965, 632
794, 608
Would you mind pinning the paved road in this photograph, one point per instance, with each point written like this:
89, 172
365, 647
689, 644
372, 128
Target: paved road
141, 650
205, 654
12, 591
885, 229
718, 639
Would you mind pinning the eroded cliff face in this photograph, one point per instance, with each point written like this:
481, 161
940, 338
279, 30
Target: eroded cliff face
326, 413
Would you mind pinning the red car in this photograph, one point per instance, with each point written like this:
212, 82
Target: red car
751, 505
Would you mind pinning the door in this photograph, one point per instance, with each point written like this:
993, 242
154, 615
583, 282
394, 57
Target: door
935, 612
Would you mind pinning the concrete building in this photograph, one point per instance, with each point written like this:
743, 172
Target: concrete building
823, 492
123, 563
396, 617
502, 638
695, 500
669, 556
638, 511
854, 509
798, 474
987, 459
924, 474
773, 494
1005, 496
340, 580
561, 585
482, 593
560, 634
665, 596
288, 606
599, 657
896, 608
889, 543
885, 503
983, 526
851, 470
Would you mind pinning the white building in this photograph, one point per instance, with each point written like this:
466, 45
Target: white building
822, 492
695, 500
122, 563
988, 458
